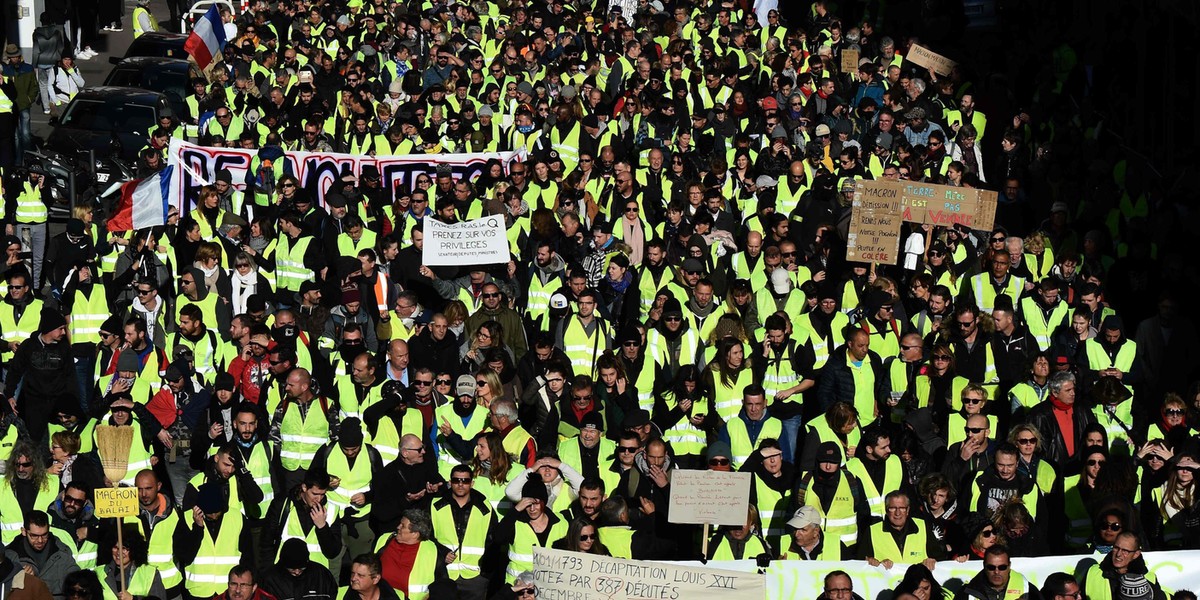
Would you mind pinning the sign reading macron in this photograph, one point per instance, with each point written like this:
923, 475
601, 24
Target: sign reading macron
562, 575
479, 242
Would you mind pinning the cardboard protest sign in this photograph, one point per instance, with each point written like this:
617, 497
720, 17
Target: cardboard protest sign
849, 60
929, 59
578, 576
709, 497
874, 234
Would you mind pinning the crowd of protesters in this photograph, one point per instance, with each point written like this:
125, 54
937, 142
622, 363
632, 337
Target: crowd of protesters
313, 407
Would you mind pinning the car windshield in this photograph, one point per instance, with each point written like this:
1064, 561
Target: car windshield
112, 115
171, 82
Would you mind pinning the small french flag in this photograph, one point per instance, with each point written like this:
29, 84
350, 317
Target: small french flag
207, 38
144, 203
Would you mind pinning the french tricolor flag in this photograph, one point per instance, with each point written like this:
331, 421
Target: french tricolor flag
207, 38
144, 203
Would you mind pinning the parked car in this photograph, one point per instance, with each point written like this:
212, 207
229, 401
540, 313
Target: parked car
167, 75
100, 118
161, 44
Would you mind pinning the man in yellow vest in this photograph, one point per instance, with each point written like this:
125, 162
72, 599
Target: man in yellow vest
808, 542
1122, 570
462, 521
1112, 354
351, 465
301, 424
899, 537
213, 544
20, 312
997, 579
751, 426
307, 514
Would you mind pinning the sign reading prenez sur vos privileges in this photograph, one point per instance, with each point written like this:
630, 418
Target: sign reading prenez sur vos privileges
563, 575
479, 242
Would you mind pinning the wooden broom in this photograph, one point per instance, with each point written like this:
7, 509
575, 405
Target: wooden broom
113, 445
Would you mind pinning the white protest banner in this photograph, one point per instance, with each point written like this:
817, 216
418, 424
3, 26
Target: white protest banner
788, 579
563, 575
479, 242
709, 497
317, 171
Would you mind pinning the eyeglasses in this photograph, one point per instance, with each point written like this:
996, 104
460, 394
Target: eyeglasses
423, 383
420, 448
587, 537
974, 430
627, 450
718, 462
1074, 594
1119, 550
1026, 441
1111, 526
460, 480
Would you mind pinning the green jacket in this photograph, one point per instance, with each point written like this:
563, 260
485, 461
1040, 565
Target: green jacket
24, 79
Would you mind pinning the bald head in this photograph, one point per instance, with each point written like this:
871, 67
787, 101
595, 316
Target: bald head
299, 385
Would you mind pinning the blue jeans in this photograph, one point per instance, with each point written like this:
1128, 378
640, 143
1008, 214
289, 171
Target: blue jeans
85, 377
24, 134
791, 430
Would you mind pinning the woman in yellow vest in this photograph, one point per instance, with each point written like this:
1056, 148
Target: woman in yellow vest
493, 470
144, 583
530, 524
1028, 441
582, 537
687, 408
1175, 501
727, 376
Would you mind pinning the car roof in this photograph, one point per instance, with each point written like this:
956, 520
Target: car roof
106, 92
149, 61
162, 36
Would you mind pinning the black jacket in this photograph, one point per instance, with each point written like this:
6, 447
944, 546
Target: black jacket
1055, 450
315, 583
837, 381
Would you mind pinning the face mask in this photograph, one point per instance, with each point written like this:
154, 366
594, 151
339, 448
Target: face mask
285, 333
525, 128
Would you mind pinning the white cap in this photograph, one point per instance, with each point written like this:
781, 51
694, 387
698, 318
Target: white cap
781, 281
807, 515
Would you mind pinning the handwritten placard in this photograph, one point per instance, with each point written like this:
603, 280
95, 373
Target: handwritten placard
116, 502
942, 205
712, 497
874, 234
850, 60
929, 59
560, 574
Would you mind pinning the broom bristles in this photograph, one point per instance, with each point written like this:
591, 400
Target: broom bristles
113, 444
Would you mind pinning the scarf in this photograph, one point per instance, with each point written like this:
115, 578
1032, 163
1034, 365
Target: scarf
623, 284
243, 287
210, 277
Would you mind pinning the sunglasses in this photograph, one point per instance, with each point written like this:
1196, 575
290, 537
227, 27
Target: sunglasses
974, 430
965, 324
622, 450
480, 382
1026, 441
460, 480
587, 537
1000, 568
583, 398
1111, 526
1095, 463
718, 462
972, 400
1173, 412
987, 533
491, 295
443, 382
941, 357
423, 383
